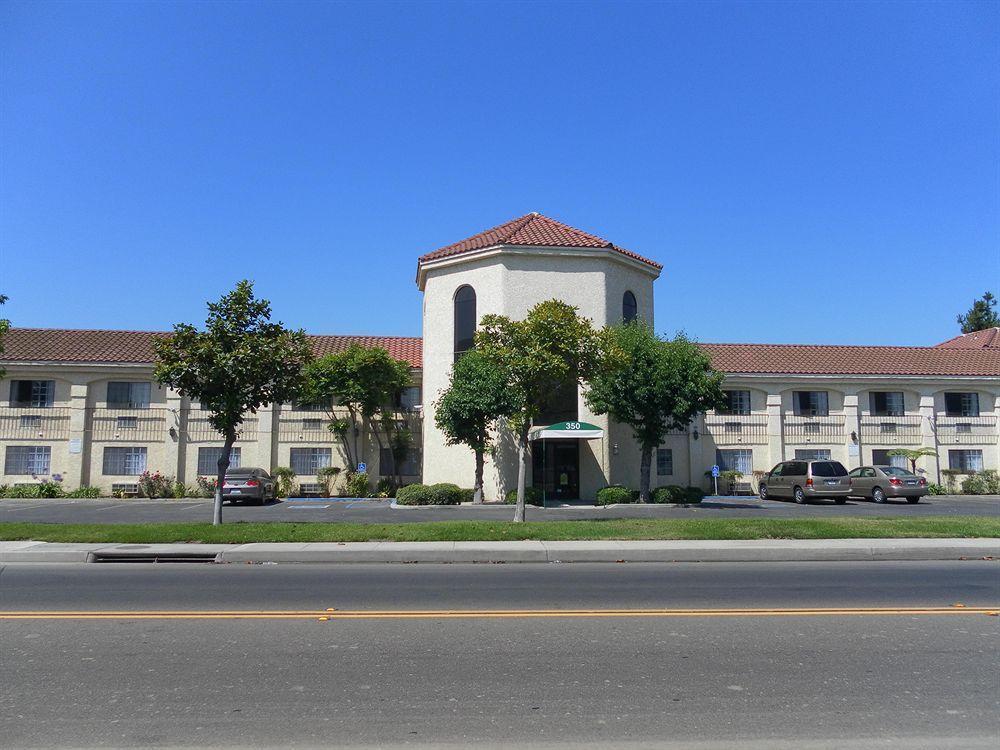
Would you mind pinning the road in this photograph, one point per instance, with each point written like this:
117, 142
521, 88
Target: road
421, 656
380, 511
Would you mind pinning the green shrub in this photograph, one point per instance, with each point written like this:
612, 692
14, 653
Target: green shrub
468, 494
179, 490
615, 495
985, 482
694, 495
672, 493
532, 496
206, 487
86, 492
385, 487
34, 491
285, 478
415, 494
357, 484
937, 489
446, 493
154, 484
327, 476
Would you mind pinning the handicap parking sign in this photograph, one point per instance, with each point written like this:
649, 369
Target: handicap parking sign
362, 466
715, 470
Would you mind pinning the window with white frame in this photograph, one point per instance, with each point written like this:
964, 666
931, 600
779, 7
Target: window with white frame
307, 461
735, 459
961, 404
886, 403
208, 459
32, 460
737, 402
965, 460
35, 394
813, 454
124, 462
664, 462
128, 395
882, 458
811, 403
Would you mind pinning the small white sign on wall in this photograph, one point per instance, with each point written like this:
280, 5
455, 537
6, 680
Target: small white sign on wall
75, 445
853, 451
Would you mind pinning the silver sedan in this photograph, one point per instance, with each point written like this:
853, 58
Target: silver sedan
881, 482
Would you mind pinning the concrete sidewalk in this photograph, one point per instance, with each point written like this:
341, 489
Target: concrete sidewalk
767, 550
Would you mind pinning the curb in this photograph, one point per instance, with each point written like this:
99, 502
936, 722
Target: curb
768, 550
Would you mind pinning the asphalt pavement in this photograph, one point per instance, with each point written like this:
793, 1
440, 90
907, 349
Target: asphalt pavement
382, 511
417, 656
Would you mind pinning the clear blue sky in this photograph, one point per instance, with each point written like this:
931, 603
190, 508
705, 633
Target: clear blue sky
817, 173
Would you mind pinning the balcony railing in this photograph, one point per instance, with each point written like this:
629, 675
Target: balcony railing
737, 429
200, 430
17, 423
963, 430
903, 430
814, 430
296, 426
130, 425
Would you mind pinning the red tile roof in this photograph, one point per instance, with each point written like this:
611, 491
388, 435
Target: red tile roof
985, 339
136, 347
532, 230
796, 359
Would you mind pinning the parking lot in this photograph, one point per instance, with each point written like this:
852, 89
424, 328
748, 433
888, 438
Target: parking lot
382, 511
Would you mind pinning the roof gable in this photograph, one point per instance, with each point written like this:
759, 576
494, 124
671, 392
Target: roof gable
531, 230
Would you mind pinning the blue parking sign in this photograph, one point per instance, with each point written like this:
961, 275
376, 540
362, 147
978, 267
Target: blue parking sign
715, 470
362, 466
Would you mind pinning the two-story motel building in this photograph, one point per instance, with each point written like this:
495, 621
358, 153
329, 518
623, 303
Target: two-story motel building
82, 404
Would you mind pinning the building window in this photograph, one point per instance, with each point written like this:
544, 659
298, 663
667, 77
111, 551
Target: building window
408, 468
408, 398
966, 460
886, 403
882, 458
35, 394
737, 402
120, 462
307, 461
630, 308
961, 404
740, 460
28, 459
811, 403
208, 460
128, 395
813, 454
465, 320
664, 462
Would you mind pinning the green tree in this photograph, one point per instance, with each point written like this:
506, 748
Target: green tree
469, 408
540, 356
239, 363
4, 327
365, 381
651, 385
913, 455
981, 315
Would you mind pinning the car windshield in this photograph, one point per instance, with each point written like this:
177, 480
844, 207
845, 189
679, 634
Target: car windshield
240, 472
828, 469
896, 471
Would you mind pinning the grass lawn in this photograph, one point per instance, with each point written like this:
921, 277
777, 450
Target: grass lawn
630, 528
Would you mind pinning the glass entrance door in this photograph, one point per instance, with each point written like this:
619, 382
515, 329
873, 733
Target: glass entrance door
556, 468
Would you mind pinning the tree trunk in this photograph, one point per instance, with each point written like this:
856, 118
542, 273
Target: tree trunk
477, 496
220, 477
522, 473
644, 466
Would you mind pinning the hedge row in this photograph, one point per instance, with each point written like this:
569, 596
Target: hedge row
434, 494
616, 495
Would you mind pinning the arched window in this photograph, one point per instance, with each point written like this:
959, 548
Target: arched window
630, 309
465, 319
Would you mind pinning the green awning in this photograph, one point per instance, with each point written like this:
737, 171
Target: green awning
572, 430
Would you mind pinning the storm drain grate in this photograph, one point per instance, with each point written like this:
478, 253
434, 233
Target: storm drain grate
121, 555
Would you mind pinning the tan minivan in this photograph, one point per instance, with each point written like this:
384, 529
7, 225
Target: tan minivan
802, 481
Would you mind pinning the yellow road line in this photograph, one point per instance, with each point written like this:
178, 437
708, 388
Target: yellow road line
483, 613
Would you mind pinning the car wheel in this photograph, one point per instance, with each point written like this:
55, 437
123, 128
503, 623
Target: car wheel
840, 500
878, 495
763, 492
913, 500
799, 495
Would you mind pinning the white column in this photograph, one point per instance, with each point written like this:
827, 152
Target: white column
775, 430
852, 424
928, 437
77, 463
